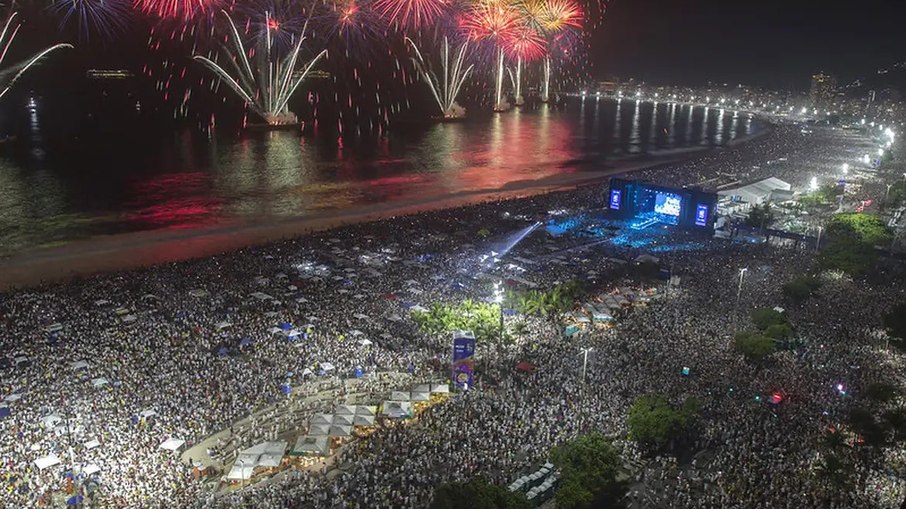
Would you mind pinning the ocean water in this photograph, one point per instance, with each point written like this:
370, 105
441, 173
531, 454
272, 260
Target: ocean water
135, 179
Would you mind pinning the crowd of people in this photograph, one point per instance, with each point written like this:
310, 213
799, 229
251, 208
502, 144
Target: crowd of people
125, 361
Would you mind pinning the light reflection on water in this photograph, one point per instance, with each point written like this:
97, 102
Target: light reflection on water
52, 195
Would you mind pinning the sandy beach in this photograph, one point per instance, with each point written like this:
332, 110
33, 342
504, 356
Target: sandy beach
140, 249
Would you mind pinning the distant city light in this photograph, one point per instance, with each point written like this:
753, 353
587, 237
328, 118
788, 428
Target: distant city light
845, 168
813, 185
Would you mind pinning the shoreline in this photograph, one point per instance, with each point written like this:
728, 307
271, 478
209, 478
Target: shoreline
104, 254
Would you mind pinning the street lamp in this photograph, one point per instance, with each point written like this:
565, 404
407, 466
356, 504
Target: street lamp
818, 242
742, 273
585, 361
498, 298
887, 194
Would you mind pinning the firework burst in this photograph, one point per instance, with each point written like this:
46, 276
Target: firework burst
106, 18
9, 75
411, 15
184, 10
259, 76
492, 24
445, 88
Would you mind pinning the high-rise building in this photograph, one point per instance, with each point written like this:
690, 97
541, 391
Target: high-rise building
823, 91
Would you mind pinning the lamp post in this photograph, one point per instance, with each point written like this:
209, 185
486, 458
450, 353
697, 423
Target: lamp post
585, 361
887, 194
498, 298
818, 242
742, 273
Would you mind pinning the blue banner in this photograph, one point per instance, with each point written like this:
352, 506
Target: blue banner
463, 359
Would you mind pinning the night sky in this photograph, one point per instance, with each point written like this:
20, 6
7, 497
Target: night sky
777, 44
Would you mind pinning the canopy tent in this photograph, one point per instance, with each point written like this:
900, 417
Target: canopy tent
99, 382
47, 461
440, 389
321, 419
77, 365
399, 396
148, 413
345, 410
363, 420
222, 325
242, 470
421, 388
340, 431
397, 409
318, 430
366, 410
421, 396
92, 444
91, 469
172, 444
326, 366
343, 420
365, 342
310, 445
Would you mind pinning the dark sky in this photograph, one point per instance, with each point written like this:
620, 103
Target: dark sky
773, 43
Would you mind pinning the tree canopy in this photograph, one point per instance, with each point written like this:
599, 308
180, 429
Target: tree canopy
766, 317
760, 216
476, 494
756, 347
799, 289
589, 465
851, 242
654, 422
895, 323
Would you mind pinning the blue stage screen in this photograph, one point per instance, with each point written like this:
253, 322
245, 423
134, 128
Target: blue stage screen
701, 214
668, 204
616, 196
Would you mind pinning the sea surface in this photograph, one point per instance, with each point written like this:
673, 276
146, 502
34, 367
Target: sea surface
53, 192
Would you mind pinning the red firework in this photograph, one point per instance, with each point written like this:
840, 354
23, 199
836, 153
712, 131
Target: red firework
562, 14
495, 21
411, 14
525, 43
174, 9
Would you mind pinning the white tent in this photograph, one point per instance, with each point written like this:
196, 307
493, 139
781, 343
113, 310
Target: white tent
12, 397
222, 325
345, 410
47, 461
92, 444
363, 420
172, 444
399, 396
319, 430
365, 342
356, 333
148, 413
130, 319
340, 431
397, 409
421, 388
91, 469
440, 388
77, 365
321, 419
366, 410
418, 309
311, 445
241, 471
421, 396
326, 366
343, 420
98, 382
198, 293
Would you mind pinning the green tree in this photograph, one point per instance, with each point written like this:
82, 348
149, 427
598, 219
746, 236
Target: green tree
801, 288
589, 465
754, 346
760, 216
653, 422
851, 242
864, 424
833, 472
779, 331
476, 494
895, 323
765, 317
881, 392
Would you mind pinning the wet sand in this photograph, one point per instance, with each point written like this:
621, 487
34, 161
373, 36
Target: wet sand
140, 249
